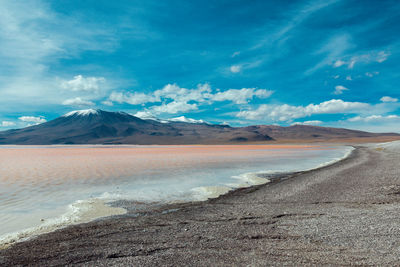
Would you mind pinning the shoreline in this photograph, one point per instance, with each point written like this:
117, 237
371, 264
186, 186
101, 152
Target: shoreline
172, 207
92, 210
338, 214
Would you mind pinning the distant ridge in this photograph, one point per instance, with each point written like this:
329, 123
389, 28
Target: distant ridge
102, 127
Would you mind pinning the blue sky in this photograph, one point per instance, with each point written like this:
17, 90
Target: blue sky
329, 63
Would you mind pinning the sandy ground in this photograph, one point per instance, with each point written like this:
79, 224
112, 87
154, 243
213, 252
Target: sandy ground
344, 214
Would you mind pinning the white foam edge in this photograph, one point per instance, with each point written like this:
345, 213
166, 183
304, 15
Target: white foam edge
253, 178
392, 146
81, 211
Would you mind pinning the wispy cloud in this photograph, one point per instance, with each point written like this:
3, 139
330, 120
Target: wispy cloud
334, 48
351, 60
375, 118
295, 18
7, 124
33, 119
34, 37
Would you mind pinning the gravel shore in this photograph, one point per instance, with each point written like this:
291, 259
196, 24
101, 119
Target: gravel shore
344, 214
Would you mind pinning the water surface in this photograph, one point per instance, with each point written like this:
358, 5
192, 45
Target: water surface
42, 186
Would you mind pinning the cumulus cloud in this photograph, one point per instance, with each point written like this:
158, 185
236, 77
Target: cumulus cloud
235, 68
339, 89
178, 99
7, 123
287, 112
80, 83
33, 119
174, 107
77, 101
174, 92
130, 98
388, 99
241, 96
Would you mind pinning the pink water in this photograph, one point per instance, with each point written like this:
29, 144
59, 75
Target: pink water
40, 182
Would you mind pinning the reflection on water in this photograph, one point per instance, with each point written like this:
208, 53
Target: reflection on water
40, 182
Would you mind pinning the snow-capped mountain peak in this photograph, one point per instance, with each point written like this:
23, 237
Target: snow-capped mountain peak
145, 115
187, 120
83, 112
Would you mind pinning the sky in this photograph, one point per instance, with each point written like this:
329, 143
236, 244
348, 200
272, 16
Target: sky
316, 62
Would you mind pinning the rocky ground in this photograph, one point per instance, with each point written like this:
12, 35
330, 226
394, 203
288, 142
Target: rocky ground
344, 214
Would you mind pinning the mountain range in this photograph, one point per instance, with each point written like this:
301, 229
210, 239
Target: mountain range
103, 127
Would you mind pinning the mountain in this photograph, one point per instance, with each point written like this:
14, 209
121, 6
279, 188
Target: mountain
315, 133
103, 127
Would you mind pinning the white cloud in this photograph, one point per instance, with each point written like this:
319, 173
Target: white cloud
315, 122
241, 96
338, 63
287, 112
367, 58
33, 38
339, 89
382, 56
178, 99
77, 101
174, 92
236, 53
36, 120
388, 99
352, 63
131, 98
375, 118
371, 74
7, 123
174, 107
348, 78
235, 68
145, 115
107, 103
80, 83
333, 49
